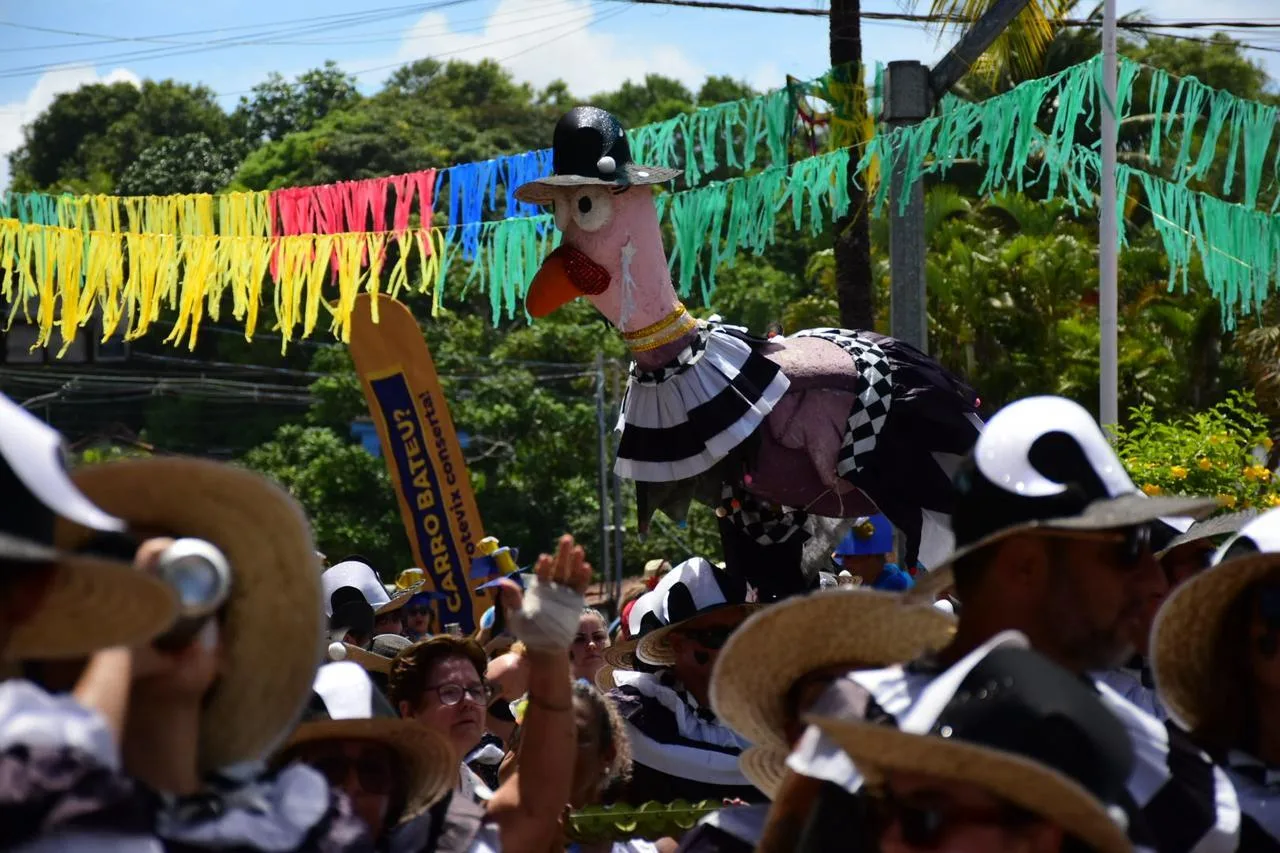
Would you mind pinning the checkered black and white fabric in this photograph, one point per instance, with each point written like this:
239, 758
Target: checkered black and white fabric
767, 525
874, 391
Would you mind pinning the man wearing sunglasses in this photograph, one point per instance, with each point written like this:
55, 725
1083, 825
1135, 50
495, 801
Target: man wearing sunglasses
680, 749
1054, 546
1184, 548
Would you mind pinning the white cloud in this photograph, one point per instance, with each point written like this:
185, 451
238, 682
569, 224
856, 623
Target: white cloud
16, 114
539, 41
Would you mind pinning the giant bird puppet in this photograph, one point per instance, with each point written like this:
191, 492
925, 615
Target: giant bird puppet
825, 422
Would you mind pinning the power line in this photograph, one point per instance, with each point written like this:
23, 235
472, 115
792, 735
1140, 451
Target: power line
187, 49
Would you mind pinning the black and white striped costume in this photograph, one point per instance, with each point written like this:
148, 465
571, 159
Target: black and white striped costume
679, 750
1135, 682
1258, 787
1179, 800
680, 420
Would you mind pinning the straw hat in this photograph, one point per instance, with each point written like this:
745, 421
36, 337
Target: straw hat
765, 767
619, 656
1009, 721
375, 659
346, 706
1042, 463
361, 576
1210, 528
853, 627
89, 603
689, 591
1184, 644
272, 626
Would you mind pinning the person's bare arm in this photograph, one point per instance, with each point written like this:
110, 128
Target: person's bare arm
527, 808
104, 685
789, 812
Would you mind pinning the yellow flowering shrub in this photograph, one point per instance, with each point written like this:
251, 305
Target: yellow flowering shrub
1220, 451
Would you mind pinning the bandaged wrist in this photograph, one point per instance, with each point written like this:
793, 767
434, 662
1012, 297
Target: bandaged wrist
548, 619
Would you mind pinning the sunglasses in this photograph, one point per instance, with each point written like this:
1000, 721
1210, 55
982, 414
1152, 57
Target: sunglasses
372, 773
709, 638
413, 610
1134, 542
927, 826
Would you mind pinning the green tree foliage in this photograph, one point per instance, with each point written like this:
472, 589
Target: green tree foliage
344, 489
191, 163
87, 139
277, 107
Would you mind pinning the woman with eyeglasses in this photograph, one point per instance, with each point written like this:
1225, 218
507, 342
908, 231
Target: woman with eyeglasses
439, 683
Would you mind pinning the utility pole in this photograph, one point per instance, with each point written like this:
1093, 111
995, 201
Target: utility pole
907, 101
912, 91
1108, 245
617, 496
852, 251
603, 460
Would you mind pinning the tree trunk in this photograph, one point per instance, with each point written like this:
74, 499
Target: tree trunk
853, 237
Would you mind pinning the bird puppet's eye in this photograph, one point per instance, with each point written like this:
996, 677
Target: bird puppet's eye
592, 207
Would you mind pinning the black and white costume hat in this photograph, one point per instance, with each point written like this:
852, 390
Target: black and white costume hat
1019, 726
345, 705
360, 575
1043, 462
691, 589
91, 603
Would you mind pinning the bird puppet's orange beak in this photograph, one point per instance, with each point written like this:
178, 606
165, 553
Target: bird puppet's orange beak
565, 275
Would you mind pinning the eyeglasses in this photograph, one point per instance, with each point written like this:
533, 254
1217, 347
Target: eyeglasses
451, 694
926, 826
417, 610
373, 773
709, 638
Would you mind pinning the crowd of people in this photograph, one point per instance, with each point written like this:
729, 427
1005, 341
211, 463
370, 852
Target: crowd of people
1091, 669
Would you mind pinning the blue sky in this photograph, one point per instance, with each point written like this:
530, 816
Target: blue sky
594, 45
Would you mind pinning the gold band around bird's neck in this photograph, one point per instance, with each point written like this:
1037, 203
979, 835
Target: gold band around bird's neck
676, 324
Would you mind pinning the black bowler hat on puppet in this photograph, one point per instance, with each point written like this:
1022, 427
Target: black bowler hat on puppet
90, 602
589, 147
1017, 725
1043, 463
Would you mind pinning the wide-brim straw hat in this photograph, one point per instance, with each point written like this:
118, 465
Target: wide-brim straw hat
1184, 638
878, 749
765, 766
654, 648
1210, 528
90, 603
371, 661
860, 628
427, 759
1123, 511
272, 626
